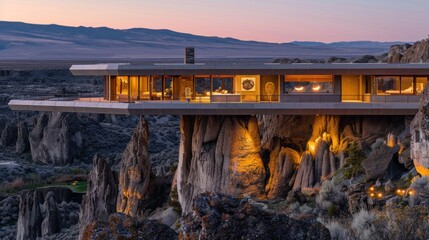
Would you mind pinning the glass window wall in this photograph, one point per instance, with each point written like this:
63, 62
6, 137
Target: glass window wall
295, 84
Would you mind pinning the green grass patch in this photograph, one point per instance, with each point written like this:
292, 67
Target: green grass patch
75, 186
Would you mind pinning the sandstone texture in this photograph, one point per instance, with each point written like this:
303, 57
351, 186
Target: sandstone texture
135, 173
220, 154
122, 227
419, 130
9, 135
100, 198
56, 139
219, 216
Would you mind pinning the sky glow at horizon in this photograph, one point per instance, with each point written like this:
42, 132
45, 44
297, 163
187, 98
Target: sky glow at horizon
279, 21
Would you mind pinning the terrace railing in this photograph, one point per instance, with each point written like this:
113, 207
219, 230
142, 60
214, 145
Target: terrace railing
236, 98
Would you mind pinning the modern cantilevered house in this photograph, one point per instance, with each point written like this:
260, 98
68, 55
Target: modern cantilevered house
238, 89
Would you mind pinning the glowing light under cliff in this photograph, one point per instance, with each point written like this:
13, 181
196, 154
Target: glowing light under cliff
422, 170
312, 147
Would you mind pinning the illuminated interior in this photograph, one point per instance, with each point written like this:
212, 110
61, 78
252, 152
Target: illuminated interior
257, 88
308, 84
391, 85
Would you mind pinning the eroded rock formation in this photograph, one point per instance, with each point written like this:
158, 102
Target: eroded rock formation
22, 143
218, 216
56, 138
100, 199
419, 130
41, 214
377, 164
220, 154
135, 173
9, 135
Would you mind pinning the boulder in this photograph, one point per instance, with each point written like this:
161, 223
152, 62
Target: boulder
135, 173
219, 153
56, 139
376, 165
122, 227
9, 135
219, 216
22, 143
100, 198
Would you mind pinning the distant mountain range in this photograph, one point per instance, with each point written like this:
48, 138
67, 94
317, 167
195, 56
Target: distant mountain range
33, 41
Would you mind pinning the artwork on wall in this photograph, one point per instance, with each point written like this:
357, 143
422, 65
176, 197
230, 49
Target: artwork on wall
248, 84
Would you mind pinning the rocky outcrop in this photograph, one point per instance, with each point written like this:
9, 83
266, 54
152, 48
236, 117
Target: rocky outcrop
377, 164
46, 211
357, 198
100, 198
56, 139
220, 154
120, 226
419, 129
406, 53
283, 171
218, 216
135, 173
22, 143
9, 135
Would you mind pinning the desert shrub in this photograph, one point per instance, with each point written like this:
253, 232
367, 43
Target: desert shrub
353, 165
364, 225
330, 198
174, 201
337, 231
398, 223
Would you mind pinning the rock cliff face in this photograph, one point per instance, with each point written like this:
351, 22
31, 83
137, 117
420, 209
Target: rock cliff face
266, 157
218, 216
100, 199
22, 143
56, 139
135, 173
416, 53
41, 212
419, 130
220, 154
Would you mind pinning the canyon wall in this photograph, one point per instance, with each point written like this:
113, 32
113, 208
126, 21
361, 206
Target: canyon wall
267, 156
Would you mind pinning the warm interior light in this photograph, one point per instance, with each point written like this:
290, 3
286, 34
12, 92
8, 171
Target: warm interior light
299, 89
316, 87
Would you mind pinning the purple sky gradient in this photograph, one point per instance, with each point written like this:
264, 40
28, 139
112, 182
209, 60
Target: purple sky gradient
271, 21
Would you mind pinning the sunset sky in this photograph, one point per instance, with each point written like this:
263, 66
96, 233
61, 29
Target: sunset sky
276, 21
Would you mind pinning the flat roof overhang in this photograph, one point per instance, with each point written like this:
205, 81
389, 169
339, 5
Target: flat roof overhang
115, 69
183, 108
